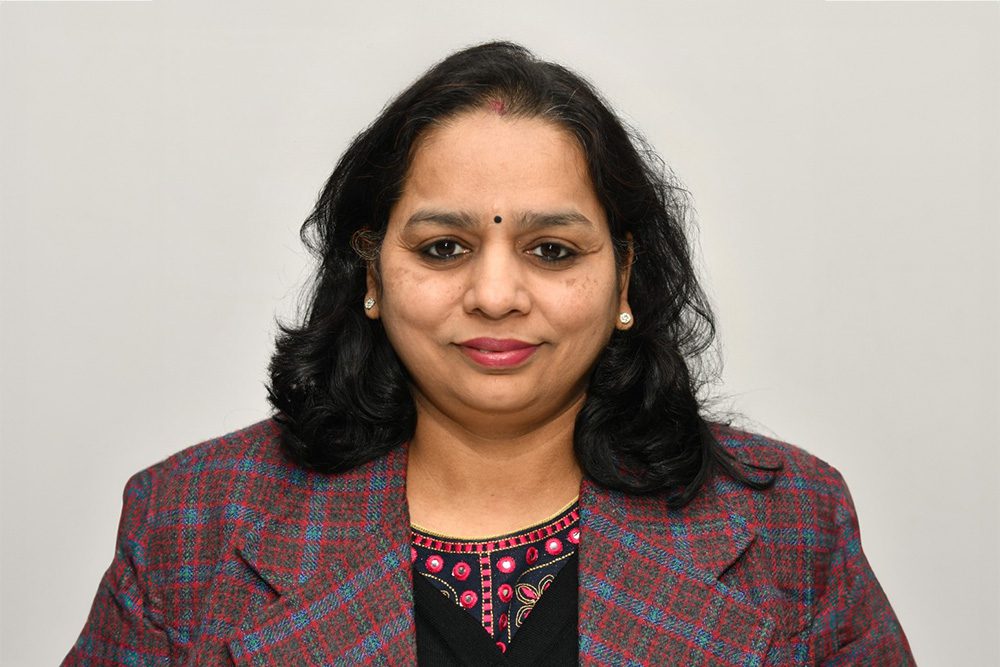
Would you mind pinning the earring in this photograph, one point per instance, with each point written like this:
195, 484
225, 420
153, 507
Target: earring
625, 318
369, 303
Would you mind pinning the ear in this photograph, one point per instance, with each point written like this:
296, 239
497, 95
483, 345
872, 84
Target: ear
623, 280
372, 290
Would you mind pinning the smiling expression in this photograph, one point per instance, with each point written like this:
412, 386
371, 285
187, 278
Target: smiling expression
494, 318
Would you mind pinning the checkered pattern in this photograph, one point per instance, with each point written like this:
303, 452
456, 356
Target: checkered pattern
228, 554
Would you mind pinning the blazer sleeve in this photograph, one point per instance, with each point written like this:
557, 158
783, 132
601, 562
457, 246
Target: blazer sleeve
124, 626
855, 624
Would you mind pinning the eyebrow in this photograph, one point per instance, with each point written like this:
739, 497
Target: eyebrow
460, 219
528, 220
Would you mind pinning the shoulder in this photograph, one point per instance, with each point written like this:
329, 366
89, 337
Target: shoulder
802, 524
218, 489
798, 514
258, 441
760, 450
207, 491
208, 470
817, 576
802, 520
798, 475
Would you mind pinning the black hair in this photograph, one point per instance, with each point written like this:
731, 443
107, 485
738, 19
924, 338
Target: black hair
340, 392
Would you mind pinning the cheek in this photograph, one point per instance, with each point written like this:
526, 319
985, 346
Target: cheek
586, 305
414, 303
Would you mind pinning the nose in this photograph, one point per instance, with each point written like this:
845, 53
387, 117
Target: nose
497, 283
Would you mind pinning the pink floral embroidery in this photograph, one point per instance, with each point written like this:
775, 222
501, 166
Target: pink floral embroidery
528, 596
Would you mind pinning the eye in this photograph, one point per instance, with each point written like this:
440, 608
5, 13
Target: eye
552, 252
444, 249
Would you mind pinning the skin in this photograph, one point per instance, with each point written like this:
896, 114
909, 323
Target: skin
493, 447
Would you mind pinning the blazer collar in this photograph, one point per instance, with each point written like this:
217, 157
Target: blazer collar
649, 586
341, 570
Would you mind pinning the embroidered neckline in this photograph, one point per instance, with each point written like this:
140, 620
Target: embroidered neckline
498, 579
556, 522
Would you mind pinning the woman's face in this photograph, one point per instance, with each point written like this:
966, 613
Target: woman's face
497, 283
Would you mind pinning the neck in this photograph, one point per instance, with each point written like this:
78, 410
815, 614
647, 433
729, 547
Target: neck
471, 482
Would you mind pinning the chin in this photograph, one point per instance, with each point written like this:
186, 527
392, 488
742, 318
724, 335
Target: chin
500, 403
526, 403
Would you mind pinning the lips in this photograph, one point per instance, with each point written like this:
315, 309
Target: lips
497, 352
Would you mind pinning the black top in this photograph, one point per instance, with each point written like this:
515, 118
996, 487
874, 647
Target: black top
498, 580
448, 636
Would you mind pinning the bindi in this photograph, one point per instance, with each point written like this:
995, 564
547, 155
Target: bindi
497, 219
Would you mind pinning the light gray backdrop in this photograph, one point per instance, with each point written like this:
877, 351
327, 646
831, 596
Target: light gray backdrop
158, 158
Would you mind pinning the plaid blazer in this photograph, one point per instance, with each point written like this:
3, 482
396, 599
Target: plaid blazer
228, 554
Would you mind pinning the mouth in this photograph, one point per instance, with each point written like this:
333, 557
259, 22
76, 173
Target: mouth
496, 352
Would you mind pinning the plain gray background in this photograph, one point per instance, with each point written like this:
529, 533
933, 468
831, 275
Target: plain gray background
158, 158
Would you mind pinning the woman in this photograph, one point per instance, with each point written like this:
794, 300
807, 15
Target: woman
488, 446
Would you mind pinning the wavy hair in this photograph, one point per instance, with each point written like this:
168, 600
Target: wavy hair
340, 392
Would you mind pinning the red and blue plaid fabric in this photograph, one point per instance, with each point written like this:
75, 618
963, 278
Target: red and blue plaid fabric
228, 554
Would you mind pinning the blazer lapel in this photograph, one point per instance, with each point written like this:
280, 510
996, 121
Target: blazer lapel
337, 558
341, 570
649, 582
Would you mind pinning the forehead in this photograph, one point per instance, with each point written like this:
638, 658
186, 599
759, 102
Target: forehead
499, 164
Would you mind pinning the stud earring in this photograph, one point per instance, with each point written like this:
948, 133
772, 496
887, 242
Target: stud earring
369, 303
625, 318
